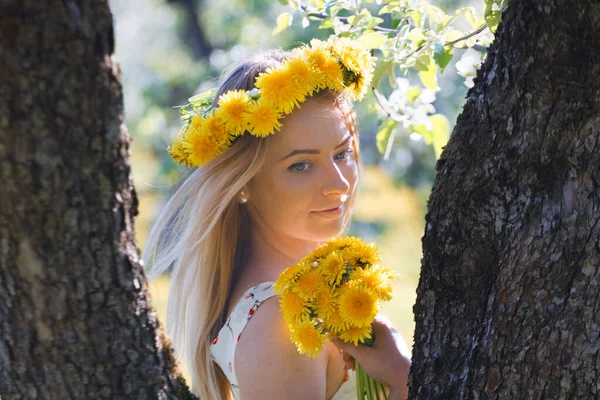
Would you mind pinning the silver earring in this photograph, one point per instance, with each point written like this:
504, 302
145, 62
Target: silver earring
243, 198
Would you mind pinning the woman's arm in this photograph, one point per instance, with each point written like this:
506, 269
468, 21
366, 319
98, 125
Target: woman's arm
268, 365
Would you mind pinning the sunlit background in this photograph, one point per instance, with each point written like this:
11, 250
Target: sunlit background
171, 49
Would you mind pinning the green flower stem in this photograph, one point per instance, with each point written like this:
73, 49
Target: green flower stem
369, 385
366, 387
372, 388
361, 381
376, 390
383, 391
358, 385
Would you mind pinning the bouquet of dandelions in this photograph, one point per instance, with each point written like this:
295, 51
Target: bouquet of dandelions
336, 290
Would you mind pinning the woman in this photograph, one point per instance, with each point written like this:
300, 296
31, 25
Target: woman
278, 154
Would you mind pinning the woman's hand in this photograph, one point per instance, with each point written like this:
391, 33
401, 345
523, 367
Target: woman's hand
388, 361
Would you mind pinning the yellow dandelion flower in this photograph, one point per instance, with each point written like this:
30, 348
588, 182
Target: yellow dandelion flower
307, 338
262, 118
333, 76
324, 304
357, 304
344, 242
287, 277
197, 120
309, 284
201, 146
334, 323
335, 244
215, 127
321, 252
356, 335
352, 55
333, 268
232, 107
305, 75
358, 89
178, 153
278, 86
293, 307
364, 253
376, 279
390, 273
325, 64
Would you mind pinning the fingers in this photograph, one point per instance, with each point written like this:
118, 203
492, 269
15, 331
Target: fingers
349, 364
341, 344
347, 348
346, 356
382, 319
350, 349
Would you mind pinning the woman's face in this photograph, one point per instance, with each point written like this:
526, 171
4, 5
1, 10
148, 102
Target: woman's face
310, 172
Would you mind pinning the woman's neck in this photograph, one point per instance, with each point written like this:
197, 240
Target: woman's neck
270, 255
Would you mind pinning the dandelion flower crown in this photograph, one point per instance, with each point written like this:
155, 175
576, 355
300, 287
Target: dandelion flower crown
338, 64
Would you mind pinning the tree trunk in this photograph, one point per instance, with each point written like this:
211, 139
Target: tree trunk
75, 318
508, 300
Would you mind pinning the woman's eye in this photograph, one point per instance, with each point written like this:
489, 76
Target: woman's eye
299, 167
342, 155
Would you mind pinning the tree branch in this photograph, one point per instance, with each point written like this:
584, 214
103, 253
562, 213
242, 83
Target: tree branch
468, 35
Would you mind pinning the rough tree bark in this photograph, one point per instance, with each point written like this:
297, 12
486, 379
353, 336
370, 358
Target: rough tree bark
508, 300
75, 321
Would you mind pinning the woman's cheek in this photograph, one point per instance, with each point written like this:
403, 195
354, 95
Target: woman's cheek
351, 174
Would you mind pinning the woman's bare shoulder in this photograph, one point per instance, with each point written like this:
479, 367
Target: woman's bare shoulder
267, 363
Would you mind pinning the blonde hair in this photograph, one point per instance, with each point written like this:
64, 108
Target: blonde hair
193, 236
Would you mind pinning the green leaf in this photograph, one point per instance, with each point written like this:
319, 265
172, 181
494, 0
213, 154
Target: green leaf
384, 135
438, 134
392, 75
435, 13
493, 13
413, 93
422, 130
441, 133
284, 20
372, 40
416, 17
429, 75
469, 13
203, 97
416, 36
453, 35
442, 55
283, 2
389, 8
422, 62
374, 21
355, 19
326, 24
380, 69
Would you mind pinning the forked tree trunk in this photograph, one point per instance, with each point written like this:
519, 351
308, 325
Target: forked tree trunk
508, 300
74, 316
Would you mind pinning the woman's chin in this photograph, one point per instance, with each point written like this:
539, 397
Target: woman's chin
333, 230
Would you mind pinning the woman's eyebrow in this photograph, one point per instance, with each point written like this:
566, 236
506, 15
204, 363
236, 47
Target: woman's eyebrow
315, 151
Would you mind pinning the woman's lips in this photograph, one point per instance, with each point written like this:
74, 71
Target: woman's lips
331, 213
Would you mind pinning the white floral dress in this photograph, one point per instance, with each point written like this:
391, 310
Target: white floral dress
223, 346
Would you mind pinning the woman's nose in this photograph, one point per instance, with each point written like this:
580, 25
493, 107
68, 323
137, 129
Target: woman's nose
335, 182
